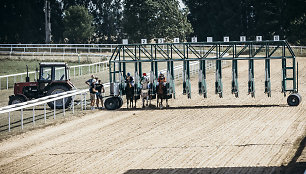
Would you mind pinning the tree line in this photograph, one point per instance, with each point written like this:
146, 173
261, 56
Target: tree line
234, 18
110, 21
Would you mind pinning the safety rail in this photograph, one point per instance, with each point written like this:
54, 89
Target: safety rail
76, 48
77, 71
43, 101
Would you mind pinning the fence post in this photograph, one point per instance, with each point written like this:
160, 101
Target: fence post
64, 106
21, 118
9, 121
45, 116
85, 101
54, 107
34, 115
81, 101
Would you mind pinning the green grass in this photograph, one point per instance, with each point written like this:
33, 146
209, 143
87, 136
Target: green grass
19, 66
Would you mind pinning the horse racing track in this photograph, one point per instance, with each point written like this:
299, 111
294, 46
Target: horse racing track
213, 135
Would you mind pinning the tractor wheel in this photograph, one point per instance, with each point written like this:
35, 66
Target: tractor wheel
294, 99
16, 99
59, 103
111, 103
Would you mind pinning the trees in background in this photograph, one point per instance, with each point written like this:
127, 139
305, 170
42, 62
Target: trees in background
148, 19
78, 24
22, 21
232, 18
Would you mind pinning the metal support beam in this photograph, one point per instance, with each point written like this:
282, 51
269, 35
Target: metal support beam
202, 79
218, 83
235, 89
251, 83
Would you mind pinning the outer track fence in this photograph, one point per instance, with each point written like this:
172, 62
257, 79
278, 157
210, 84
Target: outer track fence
81, 50
7, 81
43, 101
72, 48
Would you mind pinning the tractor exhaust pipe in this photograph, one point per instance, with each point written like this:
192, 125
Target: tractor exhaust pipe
27, 78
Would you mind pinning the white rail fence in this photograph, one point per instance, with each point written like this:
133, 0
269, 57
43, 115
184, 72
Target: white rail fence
43, 102
72, 48
75, 49
74, 71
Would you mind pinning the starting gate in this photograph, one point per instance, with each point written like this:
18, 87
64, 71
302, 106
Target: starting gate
127, 56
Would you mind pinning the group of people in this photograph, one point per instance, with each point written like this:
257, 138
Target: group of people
144, 79
96, 90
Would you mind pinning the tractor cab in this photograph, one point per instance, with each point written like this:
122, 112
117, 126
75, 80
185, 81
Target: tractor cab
53, 79
53, 72
50, 73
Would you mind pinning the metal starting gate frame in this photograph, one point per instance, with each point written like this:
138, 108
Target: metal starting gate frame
203, 52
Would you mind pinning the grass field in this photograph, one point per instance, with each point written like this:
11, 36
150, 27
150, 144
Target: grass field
19, 66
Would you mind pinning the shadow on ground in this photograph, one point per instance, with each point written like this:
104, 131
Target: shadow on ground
229, 170
153, 107
293, 167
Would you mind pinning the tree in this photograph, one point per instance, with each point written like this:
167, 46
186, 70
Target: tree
78, 24
21, 21
154, 19
215, 18
248, 17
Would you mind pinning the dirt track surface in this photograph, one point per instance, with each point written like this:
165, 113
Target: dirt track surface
197, 135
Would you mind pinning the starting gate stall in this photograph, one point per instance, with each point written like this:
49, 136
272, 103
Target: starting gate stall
202, 52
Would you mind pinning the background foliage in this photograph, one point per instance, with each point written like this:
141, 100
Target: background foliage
78, 24
22, 21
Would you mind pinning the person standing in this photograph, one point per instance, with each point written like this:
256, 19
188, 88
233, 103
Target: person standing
92, 92
90, 81
100, 90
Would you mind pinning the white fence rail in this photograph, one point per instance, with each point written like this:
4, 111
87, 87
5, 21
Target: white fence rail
74, 71
73, 48
43, 101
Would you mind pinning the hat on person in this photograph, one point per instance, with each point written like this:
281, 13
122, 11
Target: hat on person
144, 74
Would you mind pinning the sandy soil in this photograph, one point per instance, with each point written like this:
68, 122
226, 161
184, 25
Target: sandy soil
197, 135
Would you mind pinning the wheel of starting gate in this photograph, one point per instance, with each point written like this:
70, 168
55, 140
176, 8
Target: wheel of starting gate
111, 103
294, 99
119, 101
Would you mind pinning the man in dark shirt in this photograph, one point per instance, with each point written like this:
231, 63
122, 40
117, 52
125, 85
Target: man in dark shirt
100, 89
